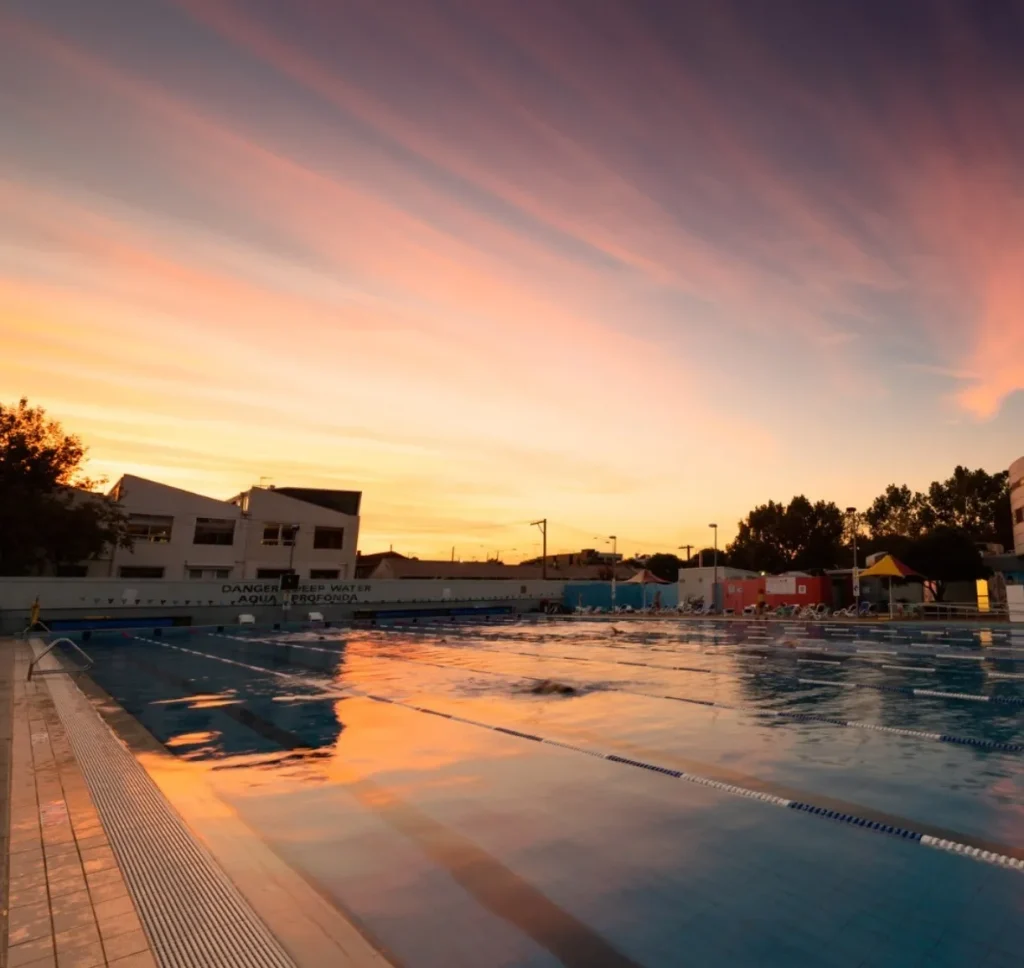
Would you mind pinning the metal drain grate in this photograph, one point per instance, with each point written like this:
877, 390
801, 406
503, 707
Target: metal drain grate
195, 917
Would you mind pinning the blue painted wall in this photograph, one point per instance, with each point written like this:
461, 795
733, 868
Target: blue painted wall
598, 594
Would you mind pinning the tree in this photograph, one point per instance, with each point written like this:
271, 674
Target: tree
666, 567
801, 535
50, 514
759, 543
976, 503
945, 555
899, 511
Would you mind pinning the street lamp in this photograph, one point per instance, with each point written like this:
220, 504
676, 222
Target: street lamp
714, 584
615, 548
855, 576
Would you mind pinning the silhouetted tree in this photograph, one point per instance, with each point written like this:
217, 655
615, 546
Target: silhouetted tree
945, 555
801, 535
49, 513
899, 511
666, 567
976, 503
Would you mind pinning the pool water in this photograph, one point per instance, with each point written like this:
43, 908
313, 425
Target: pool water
507, 836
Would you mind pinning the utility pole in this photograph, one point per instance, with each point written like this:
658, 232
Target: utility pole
855, 574
543, 525
687, 549
714, 586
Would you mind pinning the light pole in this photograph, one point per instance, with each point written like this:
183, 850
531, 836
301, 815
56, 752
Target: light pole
687, 549
615, 549
291, 554
855, 576
714, 583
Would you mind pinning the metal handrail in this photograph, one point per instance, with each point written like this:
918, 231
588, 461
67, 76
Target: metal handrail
34, 627
52, 672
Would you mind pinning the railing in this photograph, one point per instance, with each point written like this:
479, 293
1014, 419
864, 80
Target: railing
36, 626
53, 672
964, 611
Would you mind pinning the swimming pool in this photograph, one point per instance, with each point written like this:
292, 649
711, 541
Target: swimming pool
710, 794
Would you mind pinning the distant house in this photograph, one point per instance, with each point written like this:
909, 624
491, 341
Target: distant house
573, 559
399, 567
367, 564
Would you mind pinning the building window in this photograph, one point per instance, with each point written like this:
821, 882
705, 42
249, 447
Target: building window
280, 534
272, 572
198, 574
139, 571
324, 573
1018, 515
328, 537
152, 528
214, 531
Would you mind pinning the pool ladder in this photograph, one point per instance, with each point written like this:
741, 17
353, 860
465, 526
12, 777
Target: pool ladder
73, 671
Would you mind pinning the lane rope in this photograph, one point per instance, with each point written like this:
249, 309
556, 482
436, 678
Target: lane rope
988, 744
966, 850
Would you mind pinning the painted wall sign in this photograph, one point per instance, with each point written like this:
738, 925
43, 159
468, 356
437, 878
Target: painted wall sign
780, 585
309, 593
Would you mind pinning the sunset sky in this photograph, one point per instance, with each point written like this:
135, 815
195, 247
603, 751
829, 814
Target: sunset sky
633, 266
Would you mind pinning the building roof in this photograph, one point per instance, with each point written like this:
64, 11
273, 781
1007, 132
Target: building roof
415, 568
131, 488
1005, 563
375, 557
365, 564
344, 502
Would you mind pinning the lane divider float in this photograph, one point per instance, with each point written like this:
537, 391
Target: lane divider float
904, 833
994, 745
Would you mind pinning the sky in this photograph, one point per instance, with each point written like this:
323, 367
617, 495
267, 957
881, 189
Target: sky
632, 266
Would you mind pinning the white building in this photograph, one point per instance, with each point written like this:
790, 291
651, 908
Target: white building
260, 533
1017, 504
697, 582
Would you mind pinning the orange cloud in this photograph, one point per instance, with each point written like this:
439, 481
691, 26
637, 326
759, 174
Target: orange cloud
585, 280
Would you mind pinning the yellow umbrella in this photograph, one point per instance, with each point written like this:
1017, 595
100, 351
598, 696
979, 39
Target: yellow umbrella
890, 567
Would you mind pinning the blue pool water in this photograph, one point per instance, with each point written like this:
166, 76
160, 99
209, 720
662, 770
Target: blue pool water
337, 747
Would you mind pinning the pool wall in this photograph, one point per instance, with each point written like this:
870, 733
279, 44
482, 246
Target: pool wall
79, 602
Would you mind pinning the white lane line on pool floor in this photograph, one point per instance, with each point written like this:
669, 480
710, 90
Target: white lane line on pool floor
966, 850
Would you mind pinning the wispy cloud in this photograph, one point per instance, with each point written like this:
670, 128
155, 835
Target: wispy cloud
495, 254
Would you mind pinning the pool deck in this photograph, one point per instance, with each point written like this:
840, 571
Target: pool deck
192, 872
67, 903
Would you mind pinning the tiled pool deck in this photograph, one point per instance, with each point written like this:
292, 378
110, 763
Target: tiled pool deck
67, 904
198, 887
